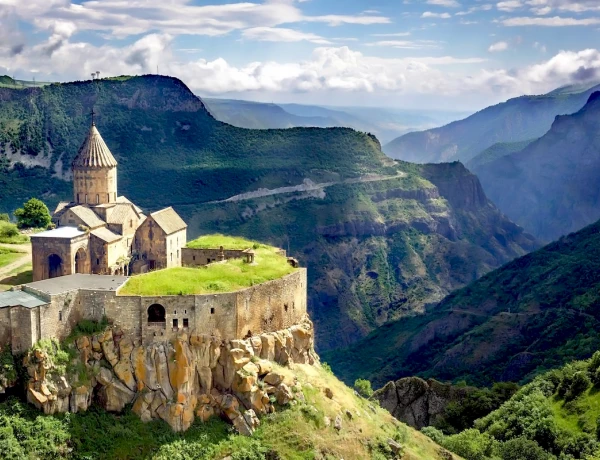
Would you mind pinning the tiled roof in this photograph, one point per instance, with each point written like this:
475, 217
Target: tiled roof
120, 213
89, 217
24, 299
106, 235
60, 232
62, 206
122, 199
168, 220
94, 152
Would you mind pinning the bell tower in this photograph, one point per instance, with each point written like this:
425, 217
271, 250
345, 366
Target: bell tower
94, 171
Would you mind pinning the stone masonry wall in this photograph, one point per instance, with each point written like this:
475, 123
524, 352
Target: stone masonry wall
192, 257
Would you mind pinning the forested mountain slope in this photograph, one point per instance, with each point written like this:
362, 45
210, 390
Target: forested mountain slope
380, 238
536, 313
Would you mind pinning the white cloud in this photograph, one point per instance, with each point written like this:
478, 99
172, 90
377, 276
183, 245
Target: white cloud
406, 44
429, 14
396, 34
123, 18
509, 5
498, 46
279, 34
573, 6
555, 21
446, 3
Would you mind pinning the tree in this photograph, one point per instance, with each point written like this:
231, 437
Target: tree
33, 214
4, 217
363, 388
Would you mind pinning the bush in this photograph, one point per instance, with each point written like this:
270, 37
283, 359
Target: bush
523, 449
471, 444
433, 433
33, 214
4, 217
8, 230
579, 384
363, 388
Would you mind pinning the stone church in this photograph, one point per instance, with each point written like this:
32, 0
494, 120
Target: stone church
100, 232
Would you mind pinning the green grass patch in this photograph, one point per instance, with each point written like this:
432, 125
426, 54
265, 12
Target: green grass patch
8, 256
228, 242
20, 275
227, 276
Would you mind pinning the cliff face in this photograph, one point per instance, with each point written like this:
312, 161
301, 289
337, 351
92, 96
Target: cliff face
192, 376
419, 402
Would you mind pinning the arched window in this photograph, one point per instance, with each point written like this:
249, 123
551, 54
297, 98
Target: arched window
78, 198
108, 197
86, 197
97, 199
156, 314
80, 258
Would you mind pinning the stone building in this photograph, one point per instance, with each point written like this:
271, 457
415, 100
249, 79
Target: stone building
100, 232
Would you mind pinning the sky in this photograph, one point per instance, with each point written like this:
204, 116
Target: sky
429, 54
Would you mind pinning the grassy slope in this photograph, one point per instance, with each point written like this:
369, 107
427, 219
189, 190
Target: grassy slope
8, 256
296, 433
535, 313
228, 276
558, 412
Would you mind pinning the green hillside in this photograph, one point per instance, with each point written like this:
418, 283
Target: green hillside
557, 416
516, 120
380, 238
536, 313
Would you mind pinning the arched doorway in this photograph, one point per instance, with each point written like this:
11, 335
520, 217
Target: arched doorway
80, 259
55, 266
156, 315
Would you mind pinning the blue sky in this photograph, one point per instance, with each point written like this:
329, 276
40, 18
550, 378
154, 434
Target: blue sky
443, 54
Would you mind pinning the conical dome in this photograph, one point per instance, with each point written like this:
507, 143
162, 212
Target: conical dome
94, 153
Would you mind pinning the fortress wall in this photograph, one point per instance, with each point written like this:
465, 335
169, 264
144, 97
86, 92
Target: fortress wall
191, 257
272, 306
25, 327
122, 310
5, 326
216, 314
58, 318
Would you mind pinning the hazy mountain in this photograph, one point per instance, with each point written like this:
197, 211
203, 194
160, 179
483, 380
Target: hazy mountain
385, 123
516, 120
535, 313
381, 238
551, 186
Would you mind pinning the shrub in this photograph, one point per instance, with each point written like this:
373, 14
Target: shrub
4, 217
8, 230
579, 383
433, 433
471, 444
33, 214
363, 388
523, 449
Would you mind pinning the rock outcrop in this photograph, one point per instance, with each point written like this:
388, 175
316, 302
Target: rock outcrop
191, 376
419, 402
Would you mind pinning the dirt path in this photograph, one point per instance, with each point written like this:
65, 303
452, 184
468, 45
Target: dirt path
306, 186
26, 257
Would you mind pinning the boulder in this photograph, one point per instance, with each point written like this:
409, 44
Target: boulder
274, 378
268, 347
337, 424
284, 395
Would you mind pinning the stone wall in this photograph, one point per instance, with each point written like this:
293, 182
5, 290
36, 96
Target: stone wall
94, 185
193, 375
192, 257
43, 247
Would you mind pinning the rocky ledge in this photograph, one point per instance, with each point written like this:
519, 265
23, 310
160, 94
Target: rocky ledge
191, 376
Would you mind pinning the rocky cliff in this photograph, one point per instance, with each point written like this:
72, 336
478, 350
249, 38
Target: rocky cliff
419, 402
193, 376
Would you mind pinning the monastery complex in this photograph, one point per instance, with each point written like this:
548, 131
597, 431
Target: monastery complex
101, 239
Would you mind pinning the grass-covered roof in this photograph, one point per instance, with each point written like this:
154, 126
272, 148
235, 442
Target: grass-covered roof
227, 276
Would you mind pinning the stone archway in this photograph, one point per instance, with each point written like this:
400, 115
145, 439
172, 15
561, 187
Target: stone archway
157, 314
55, 266
80, 261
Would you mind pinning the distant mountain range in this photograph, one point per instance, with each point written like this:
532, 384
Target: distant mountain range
551, 185
516, 120
384, 123
536, 313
